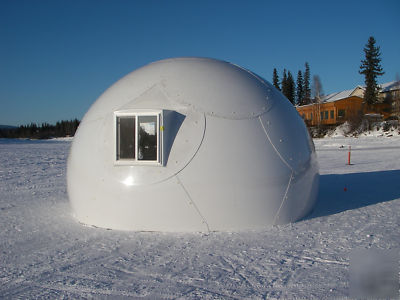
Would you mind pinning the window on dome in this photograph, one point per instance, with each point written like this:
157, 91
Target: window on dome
138, 137
126, 137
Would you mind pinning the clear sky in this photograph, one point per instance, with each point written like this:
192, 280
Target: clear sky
57, 57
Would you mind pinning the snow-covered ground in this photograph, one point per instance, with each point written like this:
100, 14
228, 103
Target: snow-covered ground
45, 253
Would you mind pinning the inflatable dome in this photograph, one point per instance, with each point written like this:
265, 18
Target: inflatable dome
191, 144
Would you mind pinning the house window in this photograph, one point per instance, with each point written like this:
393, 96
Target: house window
322, 115
332, 114
310, 116
326, 115
341, 113
138, 138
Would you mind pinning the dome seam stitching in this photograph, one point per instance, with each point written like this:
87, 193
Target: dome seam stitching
191, 201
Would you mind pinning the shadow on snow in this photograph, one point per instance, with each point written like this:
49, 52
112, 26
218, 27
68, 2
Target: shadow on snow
341, 192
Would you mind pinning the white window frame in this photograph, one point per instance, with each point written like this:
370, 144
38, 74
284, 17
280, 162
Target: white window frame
137, 114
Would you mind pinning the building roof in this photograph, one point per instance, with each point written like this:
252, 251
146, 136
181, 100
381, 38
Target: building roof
337, 96
340, 95
385, 87
390, 86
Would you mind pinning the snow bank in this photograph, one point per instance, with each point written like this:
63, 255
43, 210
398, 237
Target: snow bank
378, 129
340, 131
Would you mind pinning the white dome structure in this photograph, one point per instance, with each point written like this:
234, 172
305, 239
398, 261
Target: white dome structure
191, 144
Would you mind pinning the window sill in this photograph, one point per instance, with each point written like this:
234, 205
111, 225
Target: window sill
137, 163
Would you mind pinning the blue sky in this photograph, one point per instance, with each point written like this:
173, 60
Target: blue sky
57, 57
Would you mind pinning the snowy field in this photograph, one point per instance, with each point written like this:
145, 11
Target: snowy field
45, 253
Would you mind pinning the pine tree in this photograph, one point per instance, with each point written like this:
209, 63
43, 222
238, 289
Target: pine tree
275, 79
299, 89
284, 88
306, 87
371, 68
290, 88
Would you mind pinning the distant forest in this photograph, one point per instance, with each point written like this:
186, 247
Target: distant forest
43, 131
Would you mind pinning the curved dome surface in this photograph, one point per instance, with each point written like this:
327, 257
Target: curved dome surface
230, 152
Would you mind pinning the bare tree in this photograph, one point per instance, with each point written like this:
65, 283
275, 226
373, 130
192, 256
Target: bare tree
317, 91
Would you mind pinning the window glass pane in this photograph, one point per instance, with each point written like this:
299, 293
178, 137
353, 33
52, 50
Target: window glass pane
147, 140
326, 115
126, 137
332, 114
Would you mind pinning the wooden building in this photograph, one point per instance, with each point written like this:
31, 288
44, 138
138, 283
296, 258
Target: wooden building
390, 93
336, 108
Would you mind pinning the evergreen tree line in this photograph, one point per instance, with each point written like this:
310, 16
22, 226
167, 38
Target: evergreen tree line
43, 131
299, 92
